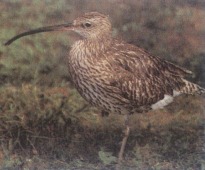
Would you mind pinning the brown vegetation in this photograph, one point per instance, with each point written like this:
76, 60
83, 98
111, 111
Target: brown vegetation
45, 124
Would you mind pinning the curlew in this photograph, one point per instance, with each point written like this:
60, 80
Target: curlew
116, 76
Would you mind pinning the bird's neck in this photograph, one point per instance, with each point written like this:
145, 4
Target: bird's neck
92, 46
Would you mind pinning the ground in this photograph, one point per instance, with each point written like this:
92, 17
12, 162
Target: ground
39, 130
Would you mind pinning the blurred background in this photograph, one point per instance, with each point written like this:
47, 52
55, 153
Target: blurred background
45, 124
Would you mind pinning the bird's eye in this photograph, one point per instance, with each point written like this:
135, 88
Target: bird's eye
86, 25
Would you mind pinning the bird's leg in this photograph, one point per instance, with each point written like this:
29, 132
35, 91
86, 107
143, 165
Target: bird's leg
124, 141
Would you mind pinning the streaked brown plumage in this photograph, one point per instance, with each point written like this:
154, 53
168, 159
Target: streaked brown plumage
119, 77
116, 76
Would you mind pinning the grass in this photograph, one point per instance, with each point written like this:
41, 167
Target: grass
46, 127
45, 124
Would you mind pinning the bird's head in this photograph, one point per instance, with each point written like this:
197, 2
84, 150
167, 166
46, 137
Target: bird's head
90, 25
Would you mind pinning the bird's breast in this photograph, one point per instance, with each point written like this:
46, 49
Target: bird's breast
84, 71
90, 75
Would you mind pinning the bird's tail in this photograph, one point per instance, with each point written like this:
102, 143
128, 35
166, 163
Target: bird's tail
191, 88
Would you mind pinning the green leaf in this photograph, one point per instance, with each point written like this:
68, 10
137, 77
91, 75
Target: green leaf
106, 157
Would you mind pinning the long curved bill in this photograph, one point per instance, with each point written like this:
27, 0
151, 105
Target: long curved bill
61, 27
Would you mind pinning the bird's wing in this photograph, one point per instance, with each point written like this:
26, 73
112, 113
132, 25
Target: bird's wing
149, 63
144, 79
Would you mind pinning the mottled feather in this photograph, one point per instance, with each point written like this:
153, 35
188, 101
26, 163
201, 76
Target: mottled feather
120, 77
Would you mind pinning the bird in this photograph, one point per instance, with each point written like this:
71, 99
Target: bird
115, 76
